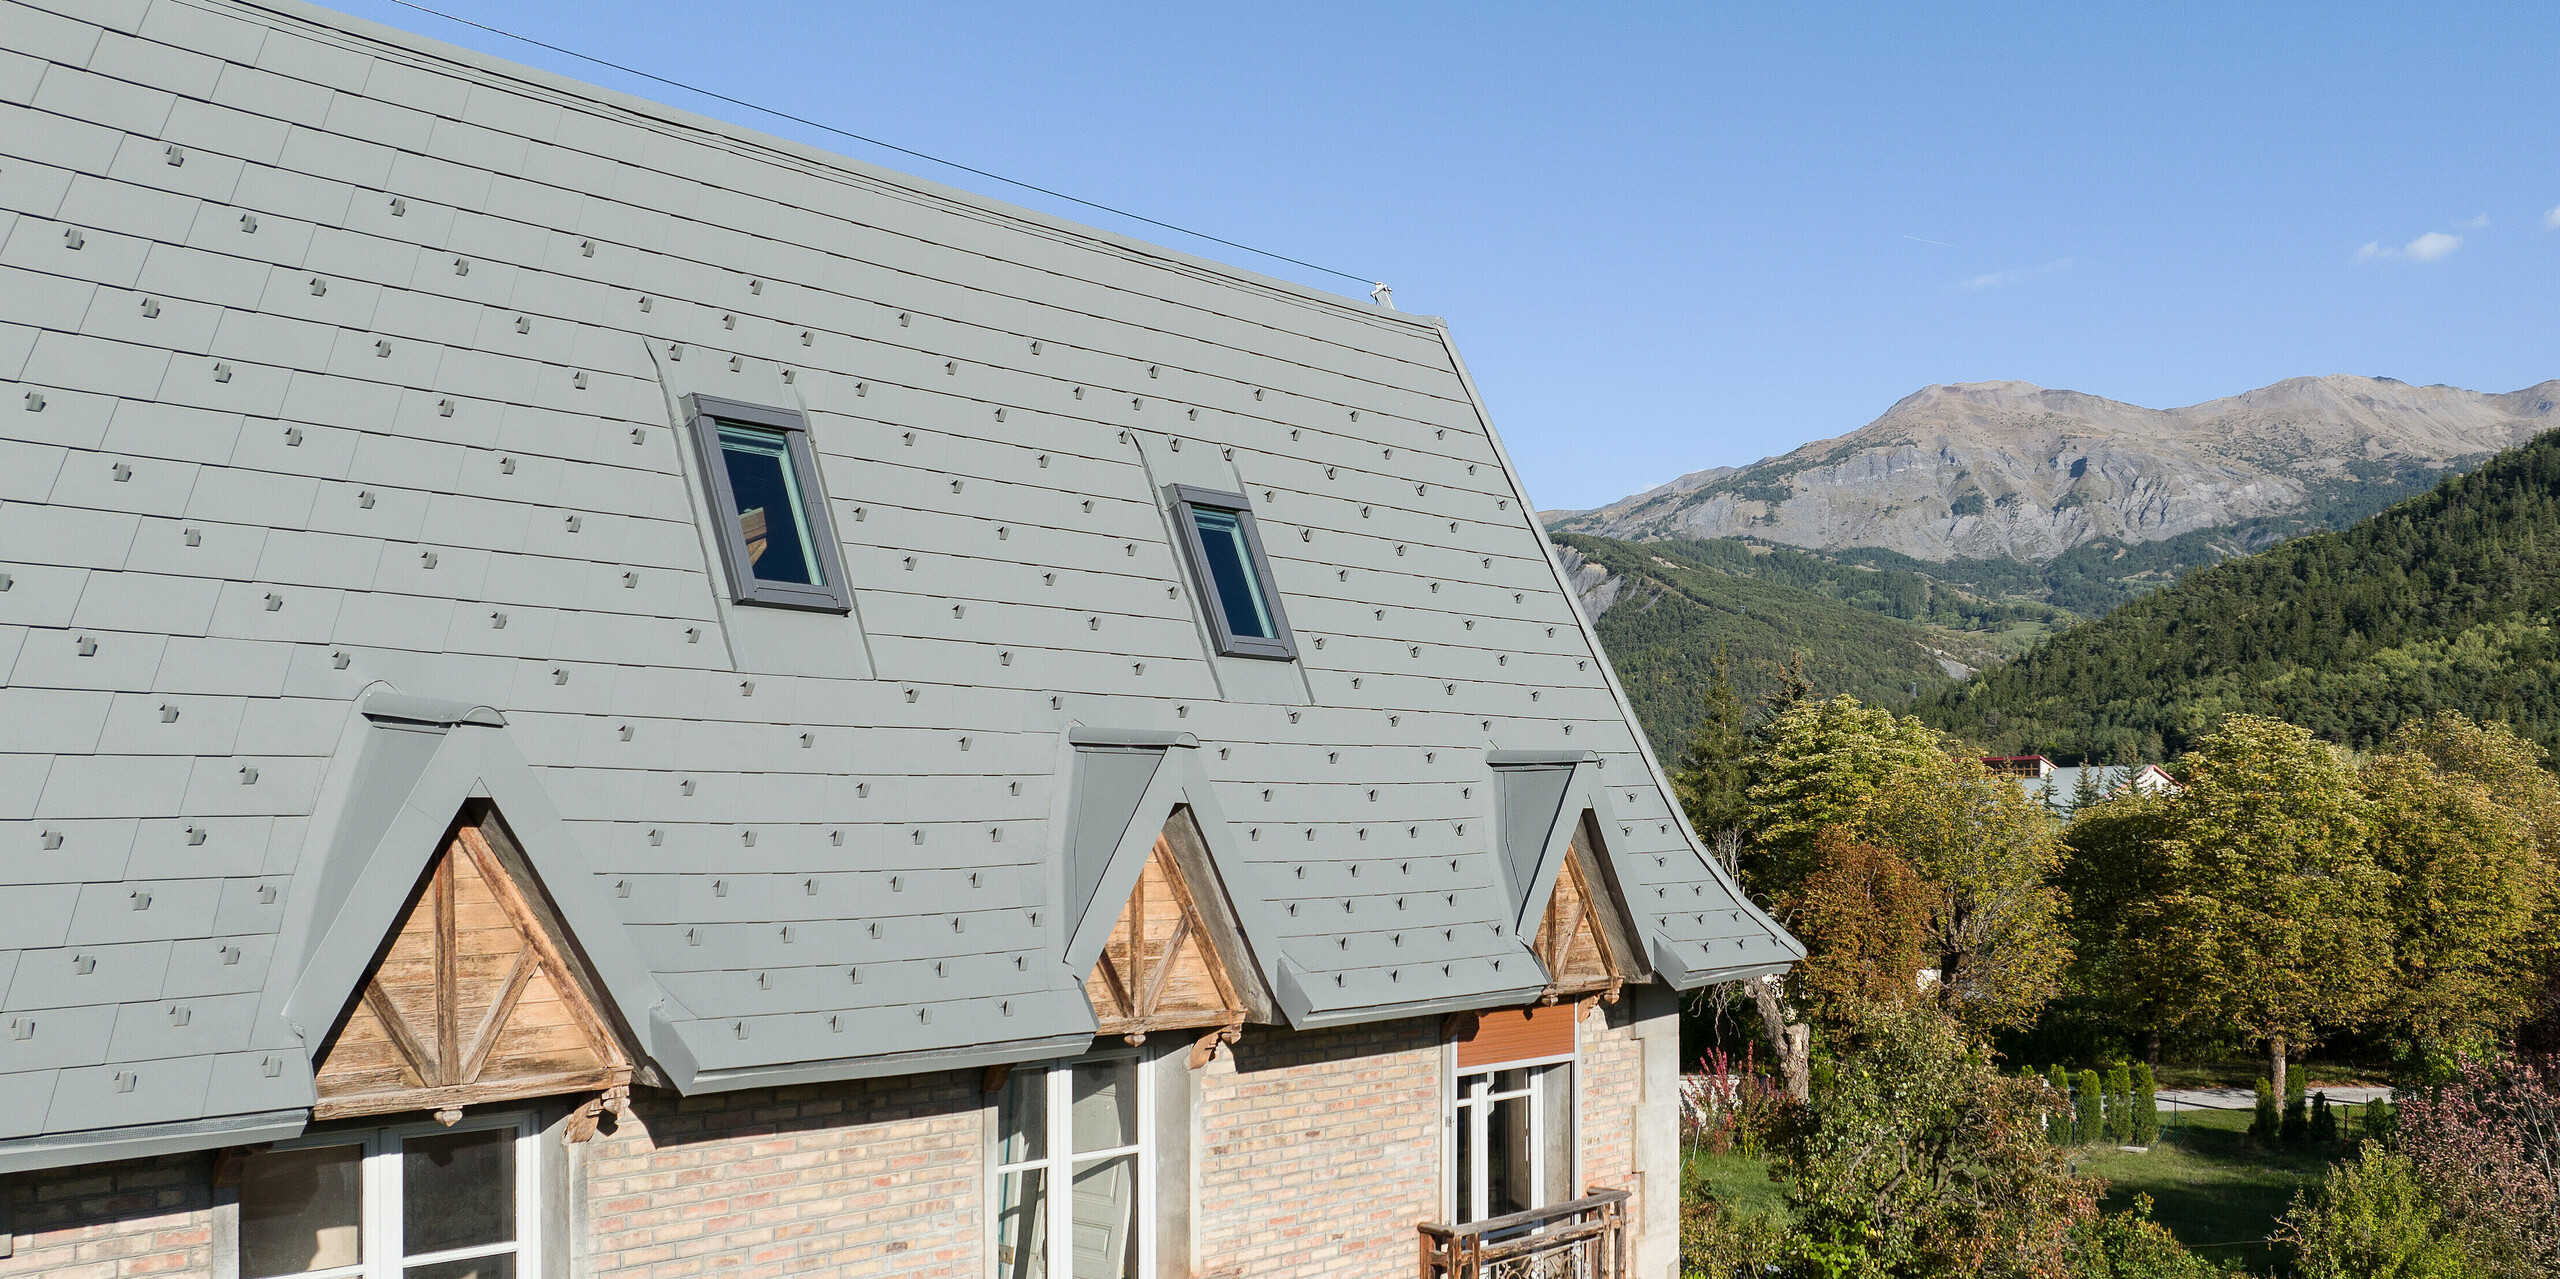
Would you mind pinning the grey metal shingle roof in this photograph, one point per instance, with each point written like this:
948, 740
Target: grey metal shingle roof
340, 484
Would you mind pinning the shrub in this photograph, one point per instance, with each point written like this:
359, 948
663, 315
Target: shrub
1716, 1242
2130, 1245
2324, 1121
2373, 1220
2090, 1095
1921, 1159
2487, 1144
2146, 1105
2297, 1117
2380, 1121
2262, 1126
2119, 1105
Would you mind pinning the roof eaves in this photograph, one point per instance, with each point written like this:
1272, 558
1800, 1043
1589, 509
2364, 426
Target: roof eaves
102, 1145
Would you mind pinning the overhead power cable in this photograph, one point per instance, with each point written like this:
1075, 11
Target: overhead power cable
871, 141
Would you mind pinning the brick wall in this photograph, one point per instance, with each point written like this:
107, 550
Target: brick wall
104, 1221
1314, 1154
1319, 1151
1612, 1086
878, 1177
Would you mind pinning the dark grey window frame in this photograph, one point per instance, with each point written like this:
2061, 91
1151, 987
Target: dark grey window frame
703, 416
1280, 647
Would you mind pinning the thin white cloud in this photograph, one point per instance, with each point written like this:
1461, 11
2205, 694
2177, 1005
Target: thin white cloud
2434, 246
2016, 275
2474, 222
2551, 220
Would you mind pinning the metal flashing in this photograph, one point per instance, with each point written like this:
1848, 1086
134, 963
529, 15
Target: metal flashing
104, 1145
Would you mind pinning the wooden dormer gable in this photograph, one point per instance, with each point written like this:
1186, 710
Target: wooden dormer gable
1581, 938
475, 998
1159, 968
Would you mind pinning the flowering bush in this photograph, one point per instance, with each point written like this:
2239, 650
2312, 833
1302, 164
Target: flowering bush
1730, 1107
2487, 1145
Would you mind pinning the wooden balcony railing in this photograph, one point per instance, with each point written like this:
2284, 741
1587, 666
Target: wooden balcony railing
1585, 1238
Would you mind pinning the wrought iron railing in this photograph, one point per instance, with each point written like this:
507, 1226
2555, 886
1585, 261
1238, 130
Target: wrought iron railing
1585, 1238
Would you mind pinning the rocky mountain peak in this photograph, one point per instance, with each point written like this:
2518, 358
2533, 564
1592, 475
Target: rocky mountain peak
1985, 469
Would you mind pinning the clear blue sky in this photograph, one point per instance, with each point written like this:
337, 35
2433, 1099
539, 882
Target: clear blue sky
1678, 236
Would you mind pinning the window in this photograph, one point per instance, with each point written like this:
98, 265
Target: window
421, 1201
1510, 1112
775, 537
1073, 1171
1514, 1140
1232, 574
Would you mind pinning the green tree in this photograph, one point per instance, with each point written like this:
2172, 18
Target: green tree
2297, 1113
2119, 1105
2265, 1120
2060, 1124
1996, 927
2267, 912
2471, 893
1918, 1158
1820, 765
2089, 1093
2146, 1105
2372, 1220
2111, 872
1712, 779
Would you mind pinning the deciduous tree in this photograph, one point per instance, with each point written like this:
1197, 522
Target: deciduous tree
2468, 887
2270, 915
1995, 925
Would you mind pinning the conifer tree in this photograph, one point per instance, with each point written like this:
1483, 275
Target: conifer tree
2085, 792
2092, 1098
2324, 1121
2297, 1114
2264, 1123
2119, 1105
1712, 777
2146, 1105
2058, 1125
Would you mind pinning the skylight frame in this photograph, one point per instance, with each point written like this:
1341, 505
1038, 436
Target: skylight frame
703, 417
1282, 644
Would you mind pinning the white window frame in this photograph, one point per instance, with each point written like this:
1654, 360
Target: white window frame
1058, 1168
1473, 1105
380, 1197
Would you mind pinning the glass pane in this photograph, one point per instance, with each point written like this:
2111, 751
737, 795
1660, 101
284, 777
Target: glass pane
1506, 1159
457, 1190
1105, 1109
1512, 1080
770, 514
301, 1210
1555, 1106
1022, 1117
1105, 1229
1231, 571
1022, 1228
1467, 1164
501, 1266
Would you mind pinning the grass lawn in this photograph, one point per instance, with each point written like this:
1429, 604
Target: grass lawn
1741, 1182
2218, 1197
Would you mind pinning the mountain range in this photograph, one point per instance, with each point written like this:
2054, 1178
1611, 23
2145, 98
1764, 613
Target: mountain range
2447, 601
1962, 474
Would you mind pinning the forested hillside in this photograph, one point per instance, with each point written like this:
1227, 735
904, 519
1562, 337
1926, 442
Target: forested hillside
2444, 602
1676, 605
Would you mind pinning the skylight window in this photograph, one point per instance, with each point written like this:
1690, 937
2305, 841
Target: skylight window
762, 477
1232, 573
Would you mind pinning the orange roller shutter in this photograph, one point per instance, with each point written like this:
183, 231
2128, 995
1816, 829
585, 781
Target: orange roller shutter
1517, 1034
